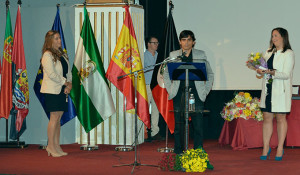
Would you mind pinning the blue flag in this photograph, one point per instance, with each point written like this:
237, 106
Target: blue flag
70, 114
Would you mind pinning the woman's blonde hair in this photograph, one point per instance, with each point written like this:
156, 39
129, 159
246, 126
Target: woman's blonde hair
48, 46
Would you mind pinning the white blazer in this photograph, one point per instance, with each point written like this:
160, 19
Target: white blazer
282, 81
53, 79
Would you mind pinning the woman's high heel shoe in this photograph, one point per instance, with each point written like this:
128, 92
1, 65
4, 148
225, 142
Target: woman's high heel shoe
279, 158
51, 154
268, 155
64, 153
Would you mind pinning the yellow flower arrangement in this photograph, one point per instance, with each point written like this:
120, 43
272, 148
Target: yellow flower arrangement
195, 160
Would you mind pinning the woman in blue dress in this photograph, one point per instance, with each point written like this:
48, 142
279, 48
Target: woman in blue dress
56, 85
276, 95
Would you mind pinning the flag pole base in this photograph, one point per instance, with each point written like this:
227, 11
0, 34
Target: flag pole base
124, 148
165, 150
89, 148
13, 144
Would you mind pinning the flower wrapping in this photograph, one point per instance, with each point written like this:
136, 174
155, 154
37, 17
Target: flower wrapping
242, 106
167, 162
256, 61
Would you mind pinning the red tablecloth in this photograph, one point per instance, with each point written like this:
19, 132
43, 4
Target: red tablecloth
243, 134
293, 120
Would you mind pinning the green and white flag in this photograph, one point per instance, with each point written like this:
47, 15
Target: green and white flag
90, 92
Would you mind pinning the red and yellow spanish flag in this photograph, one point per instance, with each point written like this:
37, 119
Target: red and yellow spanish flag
126, 58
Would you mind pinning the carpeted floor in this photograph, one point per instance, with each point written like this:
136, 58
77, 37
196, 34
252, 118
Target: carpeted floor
32, 160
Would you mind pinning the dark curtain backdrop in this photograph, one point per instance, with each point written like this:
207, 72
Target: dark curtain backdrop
155, 17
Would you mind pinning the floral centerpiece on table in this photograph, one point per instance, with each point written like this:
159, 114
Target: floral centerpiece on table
192, 160
256, 61
242, 106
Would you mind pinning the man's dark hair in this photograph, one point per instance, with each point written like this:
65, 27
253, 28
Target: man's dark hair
148, 39
186, 34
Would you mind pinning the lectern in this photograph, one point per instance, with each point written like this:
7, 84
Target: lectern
187, 71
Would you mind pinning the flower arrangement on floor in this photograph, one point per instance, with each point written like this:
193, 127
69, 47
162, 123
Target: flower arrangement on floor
242, 106
168, 162
256, 61
192, 160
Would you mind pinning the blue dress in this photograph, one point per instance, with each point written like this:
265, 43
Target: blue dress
269, 88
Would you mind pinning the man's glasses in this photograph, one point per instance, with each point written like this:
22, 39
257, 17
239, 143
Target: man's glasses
155, 43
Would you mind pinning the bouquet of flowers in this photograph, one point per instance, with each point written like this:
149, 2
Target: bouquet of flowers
256, 61
243, 106
190, 161
168, 162
195, 160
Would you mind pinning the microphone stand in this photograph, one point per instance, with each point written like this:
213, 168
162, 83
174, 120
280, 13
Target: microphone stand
135, 73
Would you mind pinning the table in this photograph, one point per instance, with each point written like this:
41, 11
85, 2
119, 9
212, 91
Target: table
242, 134
293, 120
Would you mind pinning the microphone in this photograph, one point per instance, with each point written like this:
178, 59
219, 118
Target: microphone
61, 50
169, 59
172, 59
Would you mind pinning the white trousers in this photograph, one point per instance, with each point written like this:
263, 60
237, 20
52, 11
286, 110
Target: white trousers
154, 112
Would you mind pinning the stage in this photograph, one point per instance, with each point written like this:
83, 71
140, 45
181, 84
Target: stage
32, 160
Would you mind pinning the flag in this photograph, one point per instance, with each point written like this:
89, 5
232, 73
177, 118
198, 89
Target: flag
71, 113
20, 78
0, 75
126, 59
6, 80
159, 92
90, 92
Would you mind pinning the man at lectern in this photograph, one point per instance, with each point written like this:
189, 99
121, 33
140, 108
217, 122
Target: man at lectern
200, 89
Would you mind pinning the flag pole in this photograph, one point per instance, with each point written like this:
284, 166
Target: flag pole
124, 148
167, 149
6, 143
11, 144
14, 82
88, 146
7, 6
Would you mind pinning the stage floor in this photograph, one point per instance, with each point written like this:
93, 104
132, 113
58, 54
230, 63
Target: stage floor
32, 160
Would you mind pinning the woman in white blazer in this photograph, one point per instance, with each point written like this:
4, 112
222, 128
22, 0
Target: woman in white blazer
276, 95
56, 85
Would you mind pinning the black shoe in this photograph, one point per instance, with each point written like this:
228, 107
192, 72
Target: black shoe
158, 137
149, 139
180, 152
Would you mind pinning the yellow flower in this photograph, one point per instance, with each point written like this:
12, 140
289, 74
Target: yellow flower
247, 112
247, 95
